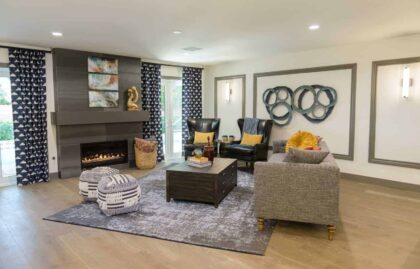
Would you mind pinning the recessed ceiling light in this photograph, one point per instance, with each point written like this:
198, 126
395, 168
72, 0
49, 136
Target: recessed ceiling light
186, 53
313, 27
177, 32
57, 34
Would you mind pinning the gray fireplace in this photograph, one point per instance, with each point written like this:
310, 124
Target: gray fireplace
82, 130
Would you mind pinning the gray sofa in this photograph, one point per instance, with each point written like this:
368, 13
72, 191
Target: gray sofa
296, 191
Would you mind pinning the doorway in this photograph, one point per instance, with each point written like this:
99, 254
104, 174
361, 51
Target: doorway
7, 144
171, 104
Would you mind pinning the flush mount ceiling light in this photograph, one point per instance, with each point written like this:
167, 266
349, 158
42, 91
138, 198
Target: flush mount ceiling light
57, 34
177, 32
313, 27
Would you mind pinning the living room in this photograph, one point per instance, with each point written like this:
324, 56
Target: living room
221, 134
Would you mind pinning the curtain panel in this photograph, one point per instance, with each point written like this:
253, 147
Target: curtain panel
151, 103
29, 104
191, 97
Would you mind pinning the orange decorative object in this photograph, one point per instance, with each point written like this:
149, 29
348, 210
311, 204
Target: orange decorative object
302, 140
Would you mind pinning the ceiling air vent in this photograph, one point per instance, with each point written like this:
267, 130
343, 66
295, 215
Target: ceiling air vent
192, 48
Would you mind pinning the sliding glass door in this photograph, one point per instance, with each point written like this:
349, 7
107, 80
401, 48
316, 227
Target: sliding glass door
7, 146
171, 102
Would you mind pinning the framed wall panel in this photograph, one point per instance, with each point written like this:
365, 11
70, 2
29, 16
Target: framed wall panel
338, 128
229, 111
394, 128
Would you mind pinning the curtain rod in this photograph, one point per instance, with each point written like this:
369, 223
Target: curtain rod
47, 51
11, 47
174, 65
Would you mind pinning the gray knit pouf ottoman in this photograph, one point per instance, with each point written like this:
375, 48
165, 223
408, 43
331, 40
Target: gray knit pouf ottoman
118, 194
89, 180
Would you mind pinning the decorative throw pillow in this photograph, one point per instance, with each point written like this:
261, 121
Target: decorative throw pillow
301, 140
305, 156
145, 145
201, 138
279, 146
250, 139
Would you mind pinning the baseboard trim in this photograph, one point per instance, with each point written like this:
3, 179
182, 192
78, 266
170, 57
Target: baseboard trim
382, 182
53, 175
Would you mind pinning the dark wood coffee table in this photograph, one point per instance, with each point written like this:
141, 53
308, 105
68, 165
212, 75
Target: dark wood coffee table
208, 185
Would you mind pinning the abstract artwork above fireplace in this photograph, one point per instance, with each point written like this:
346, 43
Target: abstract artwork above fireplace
103, 82
102, 65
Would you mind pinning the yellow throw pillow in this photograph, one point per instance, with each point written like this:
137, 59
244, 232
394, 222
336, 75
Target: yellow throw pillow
250, 139
201, 138
302, 140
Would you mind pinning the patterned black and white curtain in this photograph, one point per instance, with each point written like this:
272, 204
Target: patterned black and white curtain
191, 97
27, 77
151, 102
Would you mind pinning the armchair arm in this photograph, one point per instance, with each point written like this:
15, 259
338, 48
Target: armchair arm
190, 140
261, 151
297, 192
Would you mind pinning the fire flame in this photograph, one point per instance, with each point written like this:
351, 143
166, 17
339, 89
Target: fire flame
102, 157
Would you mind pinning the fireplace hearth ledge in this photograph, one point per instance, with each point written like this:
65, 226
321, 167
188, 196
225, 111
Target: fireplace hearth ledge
97, 117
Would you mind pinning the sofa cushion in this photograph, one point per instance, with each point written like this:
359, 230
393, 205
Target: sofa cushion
305, 156
277, 157
238, 149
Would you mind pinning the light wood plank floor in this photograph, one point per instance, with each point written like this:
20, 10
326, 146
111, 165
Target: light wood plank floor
380, 228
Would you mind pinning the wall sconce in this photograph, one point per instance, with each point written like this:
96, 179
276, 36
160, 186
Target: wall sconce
407, 82
228, 92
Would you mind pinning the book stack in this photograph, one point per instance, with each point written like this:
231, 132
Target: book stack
200, 162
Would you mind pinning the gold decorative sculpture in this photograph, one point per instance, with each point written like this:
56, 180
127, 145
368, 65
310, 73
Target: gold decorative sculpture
133, 97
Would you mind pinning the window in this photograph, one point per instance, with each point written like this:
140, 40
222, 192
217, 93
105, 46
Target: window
7, 146
171, 104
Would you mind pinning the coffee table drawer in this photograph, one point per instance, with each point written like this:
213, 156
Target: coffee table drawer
210, 184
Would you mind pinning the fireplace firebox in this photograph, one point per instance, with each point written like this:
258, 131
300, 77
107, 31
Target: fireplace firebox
103, 153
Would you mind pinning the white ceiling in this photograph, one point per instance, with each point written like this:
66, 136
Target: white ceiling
225, 29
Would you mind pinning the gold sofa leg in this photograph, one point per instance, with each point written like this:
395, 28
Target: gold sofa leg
331, 232
260, 224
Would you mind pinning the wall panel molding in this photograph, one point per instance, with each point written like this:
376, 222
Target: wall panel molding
352, 67
217, 79
373, 106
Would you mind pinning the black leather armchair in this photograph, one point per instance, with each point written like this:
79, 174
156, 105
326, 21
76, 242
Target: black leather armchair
204, 126
251, 154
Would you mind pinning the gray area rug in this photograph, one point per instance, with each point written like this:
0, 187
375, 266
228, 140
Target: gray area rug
231, 226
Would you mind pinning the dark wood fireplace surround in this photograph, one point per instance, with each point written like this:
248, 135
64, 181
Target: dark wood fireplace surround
77, 124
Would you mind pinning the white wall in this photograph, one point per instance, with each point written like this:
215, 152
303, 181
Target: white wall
335, 128
397, 135
52, 137
363, 54
230, 111
52, 145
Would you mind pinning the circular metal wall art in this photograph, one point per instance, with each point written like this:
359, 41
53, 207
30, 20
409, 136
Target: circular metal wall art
270, 105
316, 112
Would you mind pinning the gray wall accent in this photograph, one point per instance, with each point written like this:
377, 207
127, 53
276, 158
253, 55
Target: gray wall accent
76, 122
381, 182
96, 117
352, 67
372, 125
216, 79
71, 79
